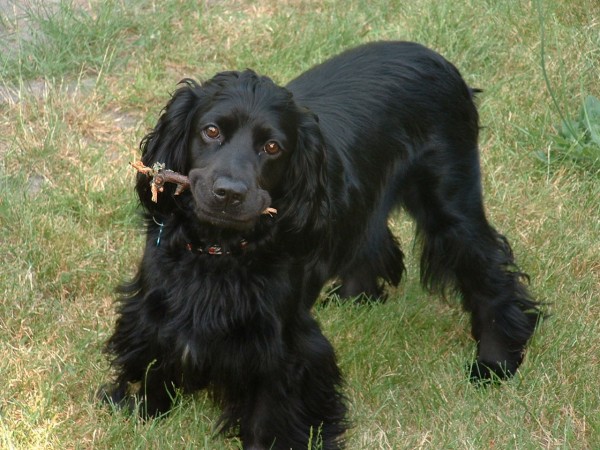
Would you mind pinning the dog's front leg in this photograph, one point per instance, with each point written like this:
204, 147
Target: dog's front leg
299, 405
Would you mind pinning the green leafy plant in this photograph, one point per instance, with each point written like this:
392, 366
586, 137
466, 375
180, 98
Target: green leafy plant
577, 140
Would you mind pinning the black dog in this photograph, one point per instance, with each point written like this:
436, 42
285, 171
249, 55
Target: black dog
223, 296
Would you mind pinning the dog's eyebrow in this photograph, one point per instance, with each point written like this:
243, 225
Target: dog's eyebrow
227, 122
265, 132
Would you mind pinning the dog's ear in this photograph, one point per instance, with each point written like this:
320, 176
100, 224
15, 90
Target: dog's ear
305, 204
168, 143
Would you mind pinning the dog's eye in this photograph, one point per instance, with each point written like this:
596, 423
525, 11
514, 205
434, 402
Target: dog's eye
272, 148
211, 132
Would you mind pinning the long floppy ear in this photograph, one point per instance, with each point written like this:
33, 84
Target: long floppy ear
305, 206
168, 143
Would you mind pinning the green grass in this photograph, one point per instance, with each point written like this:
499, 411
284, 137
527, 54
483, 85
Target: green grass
88, 79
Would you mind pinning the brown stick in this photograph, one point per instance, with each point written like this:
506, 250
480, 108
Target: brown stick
160, 176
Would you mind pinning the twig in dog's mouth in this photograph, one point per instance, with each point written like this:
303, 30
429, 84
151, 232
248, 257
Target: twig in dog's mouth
160, 176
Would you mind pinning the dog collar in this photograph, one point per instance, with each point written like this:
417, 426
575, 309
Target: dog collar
212, 249
215, 249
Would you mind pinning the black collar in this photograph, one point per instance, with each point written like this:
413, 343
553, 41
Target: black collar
237, 248
216, 249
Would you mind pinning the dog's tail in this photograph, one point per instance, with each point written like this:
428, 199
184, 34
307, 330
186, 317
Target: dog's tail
474, 91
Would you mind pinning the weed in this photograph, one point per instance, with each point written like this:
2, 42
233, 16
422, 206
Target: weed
577, 141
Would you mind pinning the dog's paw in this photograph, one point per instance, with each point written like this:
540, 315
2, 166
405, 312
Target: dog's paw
106, 393
127, 398
115, 396
483, 373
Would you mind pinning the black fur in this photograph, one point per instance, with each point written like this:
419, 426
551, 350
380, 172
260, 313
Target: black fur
382, 126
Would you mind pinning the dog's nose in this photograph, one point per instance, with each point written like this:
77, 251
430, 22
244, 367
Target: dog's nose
229, 192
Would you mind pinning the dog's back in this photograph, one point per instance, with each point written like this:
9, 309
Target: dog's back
378, 88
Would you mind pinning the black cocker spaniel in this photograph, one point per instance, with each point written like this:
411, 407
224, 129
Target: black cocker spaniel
222, 299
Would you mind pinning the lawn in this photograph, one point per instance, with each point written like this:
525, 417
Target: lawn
81, 82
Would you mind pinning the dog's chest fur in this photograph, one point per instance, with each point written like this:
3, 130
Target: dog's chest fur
227, 314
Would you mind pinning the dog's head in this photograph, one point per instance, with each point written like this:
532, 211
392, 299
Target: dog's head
245, 145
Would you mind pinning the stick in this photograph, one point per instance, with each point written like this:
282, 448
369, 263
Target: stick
160, 176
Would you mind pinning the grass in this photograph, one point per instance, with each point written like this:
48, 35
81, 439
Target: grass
577, 140
88, 79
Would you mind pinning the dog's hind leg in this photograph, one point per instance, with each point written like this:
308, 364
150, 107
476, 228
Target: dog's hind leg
379, 260
462, 251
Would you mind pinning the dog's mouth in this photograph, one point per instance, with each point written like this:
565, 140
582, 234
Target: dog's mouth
226, 219
226, 202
